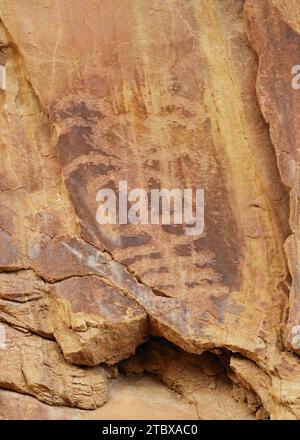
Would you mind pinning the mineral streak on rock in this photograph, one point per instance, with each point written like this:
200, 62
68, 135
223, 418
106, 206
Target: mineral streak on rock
163, 95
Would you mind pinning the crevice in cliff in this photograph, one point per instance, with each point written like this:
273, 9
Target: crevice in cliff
205, 380
156, 291
32, 105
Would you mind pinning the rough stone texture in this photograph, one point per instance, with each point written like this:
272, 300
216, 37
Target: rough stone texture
161, 94
274, 32
279, 395
200, 379
91, 321
108, 326
132, 398
32, 365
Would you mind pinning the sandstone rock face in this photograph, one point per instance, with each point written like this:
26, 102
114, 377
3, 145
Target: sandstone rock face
198, 94
92, 321
278, 47
108, 325
35, 366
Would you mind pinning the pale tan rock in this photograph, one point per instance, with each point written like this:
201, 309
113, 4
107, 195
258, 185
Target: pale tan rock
33, 365
187, 375
277, 405
133, 398
25, 303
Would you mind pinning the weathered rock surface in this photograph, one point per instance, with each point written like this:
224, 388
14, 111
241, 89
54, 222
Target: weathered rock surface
91, 321
200, 379
131, 398
104, 325
274, 32
279, 394
32, 365
163, 95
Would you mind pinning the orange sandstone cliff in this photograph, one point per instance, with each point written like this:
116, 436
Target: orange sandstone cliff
144, 321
